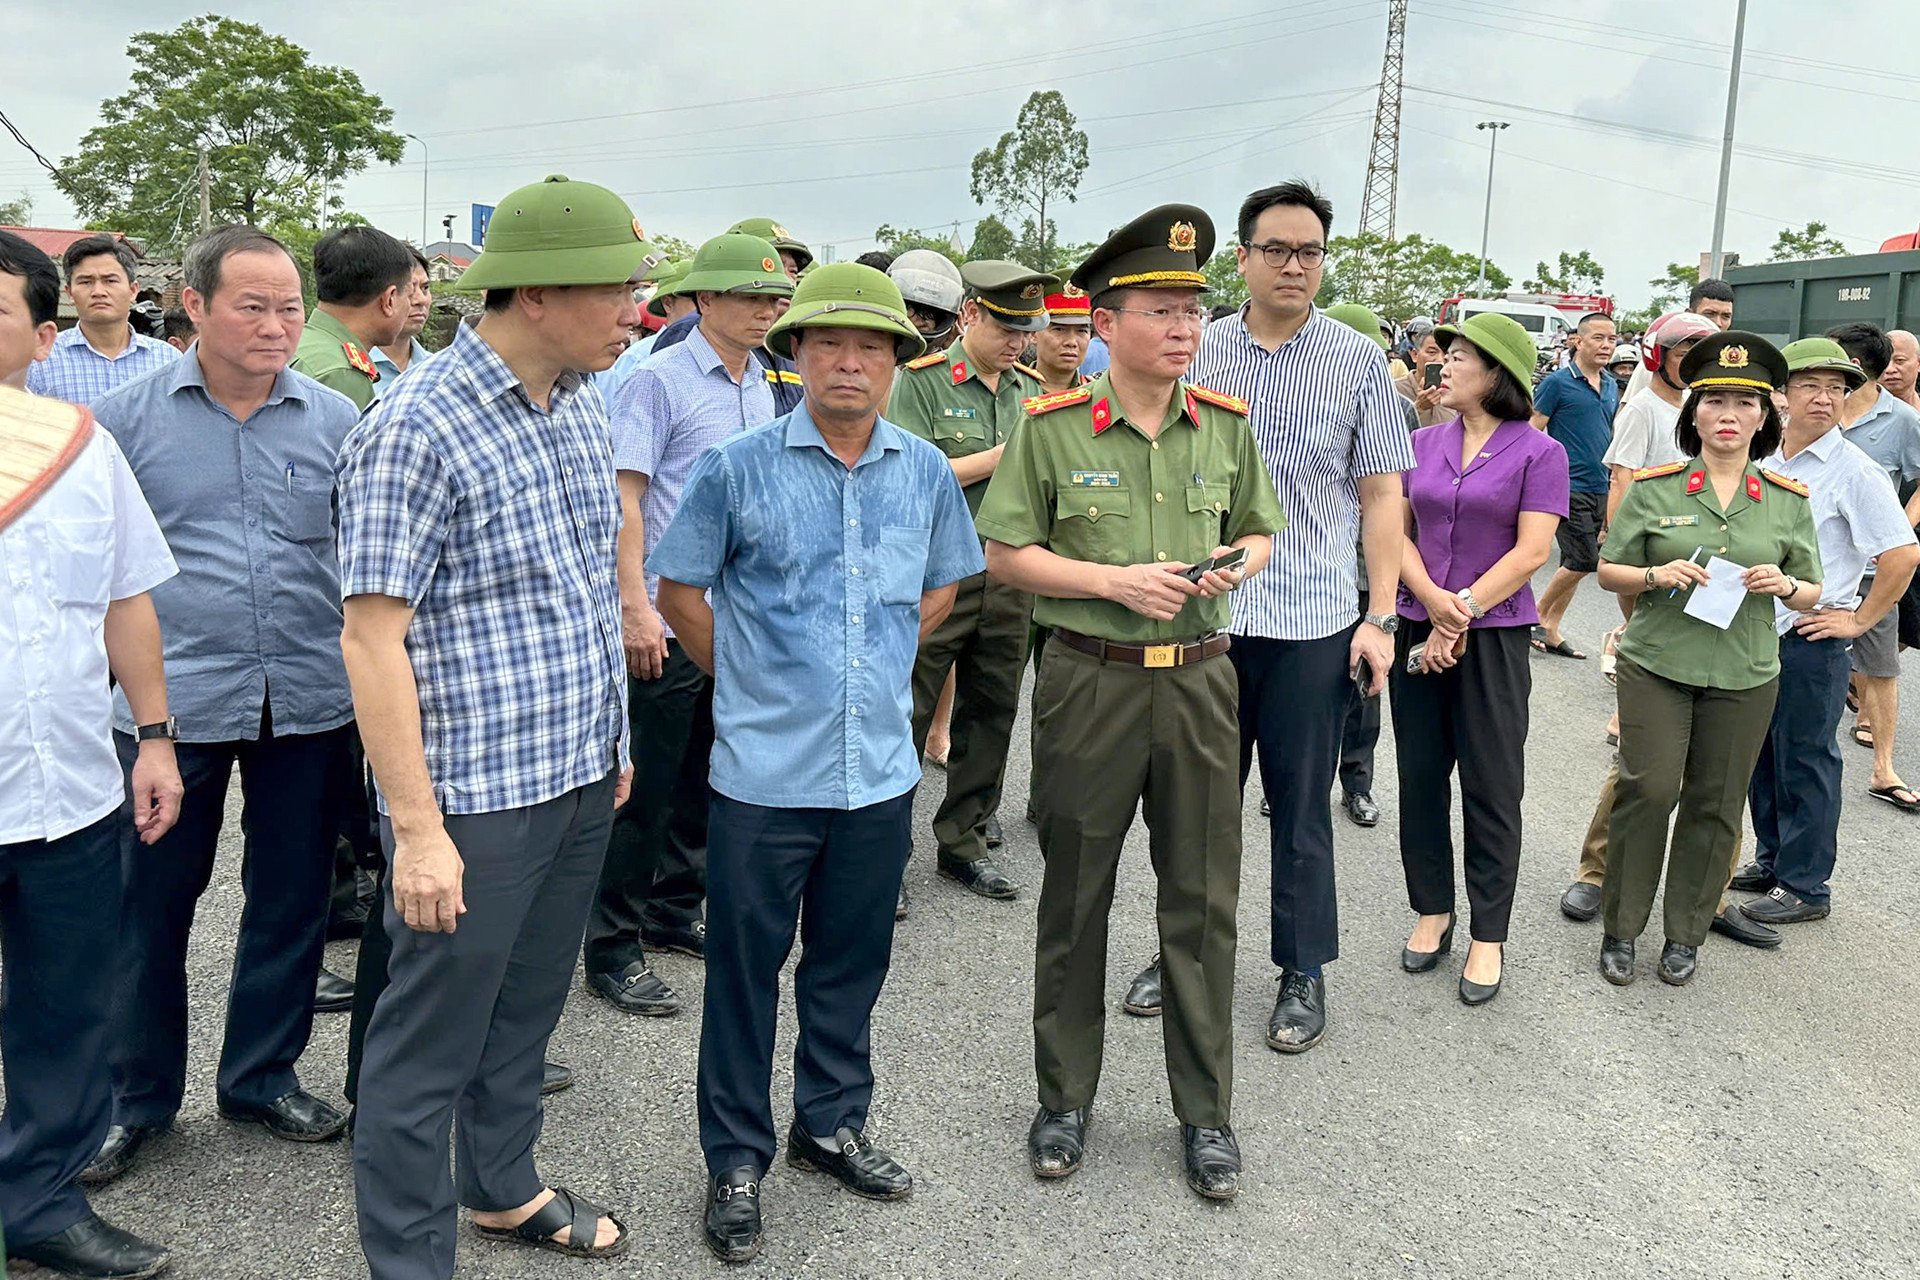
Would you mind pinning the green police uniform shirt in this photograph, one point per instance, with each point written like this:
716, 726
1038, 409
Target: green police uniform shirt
939, 398
1082, 481
1671, 513
330, 355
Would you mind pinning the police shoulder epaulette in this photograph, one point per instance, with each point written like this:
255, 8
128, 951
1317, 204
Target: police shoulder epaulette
359, 362
1648, 473
1786, 482
1038, 405
1221, 399
928, 360
1028, 370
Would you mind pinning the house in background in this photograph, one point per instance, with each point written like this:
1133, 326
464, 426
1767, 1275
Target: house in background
158, 282
446, 259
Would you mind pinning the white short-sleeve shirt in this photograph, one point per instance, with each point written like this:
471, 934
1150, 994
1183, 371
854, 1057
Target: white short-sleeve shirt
90, 539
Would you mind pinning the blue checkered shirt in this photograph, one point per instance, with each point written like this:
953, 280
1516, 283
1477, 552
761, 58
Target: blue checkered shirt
73, 371
496, 522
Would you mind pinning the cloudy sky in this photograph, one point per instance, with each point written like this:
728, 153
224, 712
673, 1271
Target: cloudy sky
839, 115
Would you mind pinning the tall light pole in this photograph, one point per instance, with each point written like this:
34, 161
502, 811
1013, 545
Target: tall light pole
1493, 128
1716, 260
425, 159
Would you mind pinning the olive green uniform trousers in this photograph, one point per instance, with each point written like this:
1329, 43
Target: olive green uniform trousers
984, 642
1695, 748
1111, 736
1593, 850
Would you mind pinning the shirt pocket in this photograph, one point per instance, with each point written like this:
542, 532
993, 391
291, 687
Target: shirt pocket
309, 513
1206, 519
962, 437
903, 563
80, 556
1094, 524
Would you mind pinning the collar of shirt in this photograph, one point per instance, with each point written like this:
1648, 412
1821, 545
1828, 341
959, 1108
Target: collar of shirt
1884, 404
186, 372
803, 434
1238, 320
1180, 406
77, 337
707, 357
388, 369
491, 377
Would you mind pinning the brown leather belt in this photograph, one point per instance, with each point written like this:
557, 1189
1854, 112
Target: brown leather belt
1173, 654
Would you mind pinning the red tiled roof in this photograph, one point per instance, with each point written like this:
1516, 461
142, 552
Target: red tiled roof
53, 241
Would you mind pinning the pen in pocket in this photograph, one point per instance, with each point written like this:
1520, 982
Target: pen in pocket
289, 479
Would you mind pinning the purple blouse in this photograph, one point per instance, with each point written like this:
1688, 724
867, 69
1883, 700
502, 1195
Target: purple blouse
1466, 521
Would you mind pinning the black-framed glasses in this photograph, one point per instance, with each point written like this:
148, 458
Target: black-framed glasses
1277, 255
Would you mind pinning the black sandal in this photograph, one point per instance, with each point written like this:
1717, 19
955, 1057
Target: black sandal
580, 1216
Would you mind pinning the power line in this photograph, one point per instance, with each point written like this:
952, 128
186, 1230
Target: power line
32, 150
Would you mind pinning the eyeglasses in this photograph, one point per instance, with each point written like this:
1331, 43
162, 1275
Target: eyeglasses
1166, 317
1277, 255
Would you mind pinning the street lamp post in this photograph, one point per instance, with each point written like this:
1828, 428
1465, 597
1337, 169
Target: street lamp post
425, 160
1717, 258
1493, 128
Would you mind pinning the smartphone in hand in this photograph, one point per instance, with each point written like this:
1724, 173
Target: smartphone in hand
1232, 560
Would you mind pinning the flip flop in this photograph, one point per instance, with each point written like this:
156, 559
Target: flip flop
1560, 650
1863, 735
1609, 655
1900, 796
1853, 702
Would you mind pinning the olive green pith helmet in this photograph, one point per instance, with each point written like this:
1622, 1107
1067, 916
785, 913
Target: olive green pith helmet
1810, 355
1359, 318
560, 232
776, 235
1501, 339
666, 284
847, 295
736, 264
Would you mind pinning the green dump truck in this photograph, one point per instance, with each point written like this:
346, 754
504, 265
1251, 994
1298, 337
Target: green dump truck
1787, 300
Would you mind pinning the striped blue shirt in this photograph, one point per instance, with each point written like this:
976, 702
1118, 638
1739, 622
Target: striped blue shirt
73, 371
1325, 415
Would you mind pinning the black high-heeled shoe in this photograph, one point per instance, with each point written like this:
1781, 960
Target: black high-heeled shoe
1425, 961
1477, 993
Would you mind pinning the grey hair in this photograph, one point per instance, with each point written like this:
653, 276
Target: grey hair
206, 255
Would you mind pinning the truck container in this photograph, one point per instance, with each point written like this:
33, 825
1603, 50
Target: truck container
1782, 301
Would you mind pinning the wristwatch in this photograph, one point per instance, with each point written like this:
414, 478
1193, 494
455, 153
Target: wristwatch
1473, 606
1387, 622
1793, 588
168, 729
1651, 584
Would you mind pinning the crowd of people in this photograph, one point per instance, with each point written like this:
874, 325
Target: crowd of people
623, 624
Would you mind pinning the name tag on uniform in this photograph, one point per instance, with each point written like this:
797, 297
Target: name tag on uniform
1094, 479
959, 413
1678, 522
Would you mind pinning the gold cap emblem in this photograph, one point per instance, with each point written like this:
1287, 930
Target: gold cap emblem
1733, 357
781, 233
1030, 292
638, 234
1072, 290
1182, 238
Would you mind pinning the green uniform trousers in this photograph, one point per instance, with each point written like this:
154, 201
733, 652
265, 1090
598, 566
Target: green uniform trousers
1593, 850
1696, 748
984, 642
1110, 736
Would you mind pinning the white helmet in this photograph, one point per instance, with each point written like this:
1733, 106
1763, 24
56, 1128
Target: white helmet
1625, 353
929, 279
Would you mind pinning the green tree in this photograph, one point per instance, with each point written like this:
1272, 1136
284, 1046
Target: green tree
1671, 287
1224, 280
16, 213
1811, 241
278, 131
1399, 279
673, 246
897, 240
991, 239
1037, 163
1572, 273
1068, 257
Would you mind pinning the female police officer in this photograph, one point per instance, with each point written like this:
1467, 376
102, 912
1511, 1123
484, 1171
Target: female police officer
1695, 697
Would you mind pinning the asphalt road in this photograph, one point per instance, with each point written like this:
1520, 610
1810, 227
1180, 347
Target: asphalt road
1764, 1121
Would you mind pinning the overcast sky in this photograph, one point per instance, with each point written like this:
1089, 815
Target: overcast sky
838, 115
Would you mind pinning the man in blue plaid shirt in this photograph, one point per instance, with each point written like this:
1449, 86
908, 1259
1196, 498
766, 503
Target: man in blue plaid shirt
102, 351
478, 515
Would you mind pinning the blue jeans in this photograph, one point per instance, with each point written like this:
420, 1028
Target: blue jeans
1795, 792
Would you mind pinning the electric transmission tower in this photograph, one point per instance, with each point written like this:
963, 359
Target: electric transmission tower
1383, 161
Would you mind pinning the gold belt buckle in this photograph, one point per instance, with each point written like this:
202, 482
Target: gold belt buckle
1160, 655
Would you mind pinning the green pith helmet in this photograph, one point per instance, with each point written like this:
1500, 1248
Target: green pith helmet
736, 264
776, 235
665, 285
1358, 318
1014, 295
1499, 338
559, 232
1823, 354
1737, 359
847, 295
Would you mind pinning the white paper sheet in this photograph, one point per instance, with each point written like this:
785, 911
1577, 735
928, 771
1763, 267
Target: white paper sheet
1716, 600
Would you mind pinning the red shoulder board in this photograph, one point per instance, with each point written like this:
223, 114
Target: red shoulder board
1785, 482
959, 372
358, 359
1037, 405
1648, 473
1102, 415
1696, 482
1219, 398
927, 361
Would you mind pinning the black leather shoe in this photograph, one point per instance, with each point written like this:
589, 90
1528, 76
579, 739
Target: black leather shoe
1734, 923
855, 1163
332, 993
1581, 901
1361, 808
117, 1152
1213, 1161
902, 905
296, 1116
635, 989
1783, 906
979, 875
554, 1077
733, 1214
1299, 1019
687, 940
1057, 1141
1144, 997
97, 1250
995, 837
1616, 960
1426, 961
1752, 878
1678, 964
